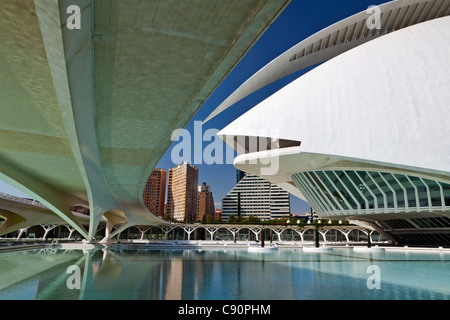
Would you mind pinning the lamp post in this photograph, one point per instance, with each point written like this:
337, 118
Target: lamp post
263, 235
316, 236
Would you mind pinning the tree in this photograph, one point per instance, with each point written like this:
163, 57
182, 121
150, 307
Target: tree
252, 219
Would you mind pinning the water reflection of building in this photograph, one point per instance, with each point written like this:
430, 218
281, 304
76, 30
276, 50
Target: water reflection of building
174, 280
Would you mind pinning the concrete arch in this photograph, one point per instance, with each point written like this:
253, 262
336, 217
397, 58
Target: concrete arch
211, 230
228, 230
189, 230
299, 232
353, 235
335, 235
245, 234
293, 231
12, 221
56, 202
345, 234
113, 218
308, 234
21, 213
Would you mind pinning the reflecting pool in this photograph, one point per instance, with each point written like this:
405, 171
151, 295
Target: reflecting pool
232, 274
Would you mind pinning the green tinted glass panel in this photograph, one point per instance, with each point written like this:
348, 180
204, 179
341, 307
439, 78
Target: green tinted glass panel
318, 194
435, 192
410, 191
399, 192
389, 195
372, 186
351, 187
317, 183
343, 192
332, 189
362, 188
446, 190
422, 191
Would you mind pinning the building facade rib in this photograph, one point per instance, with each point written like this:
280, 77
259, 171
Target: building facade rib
344, 192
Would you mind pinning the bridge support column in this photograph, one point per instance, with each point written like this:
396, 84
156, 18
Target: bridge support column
113, 217
143, 230
71, 231
21, 232
299, 233
47, 228
166, 231
256, 231
189, 231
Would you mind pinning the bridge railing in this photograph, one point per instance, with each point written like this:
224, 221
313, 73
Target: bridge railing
32, 202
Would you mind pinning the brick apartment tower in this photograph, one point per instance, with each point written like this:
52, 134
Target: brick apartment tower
182, 193
155, 192
205, 202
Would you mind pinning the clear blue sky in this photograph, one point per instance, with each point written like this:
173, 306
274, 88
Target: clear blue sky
300, 20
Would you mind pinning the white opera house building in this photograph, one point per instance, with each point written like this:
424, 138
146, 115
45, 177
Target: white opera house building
365, 135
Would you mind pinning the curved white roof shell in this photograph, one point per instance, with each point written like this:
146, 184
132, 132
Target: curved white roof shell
384, 101
338, 38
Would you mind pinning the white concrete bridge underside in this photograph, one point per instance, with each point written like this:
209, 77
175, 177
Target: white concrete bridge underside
87, 113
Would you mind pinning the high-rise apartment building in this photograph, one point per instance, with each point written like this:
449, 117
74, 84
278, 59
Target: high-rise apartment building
155, 192
205, 202
182, 193
255, 196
